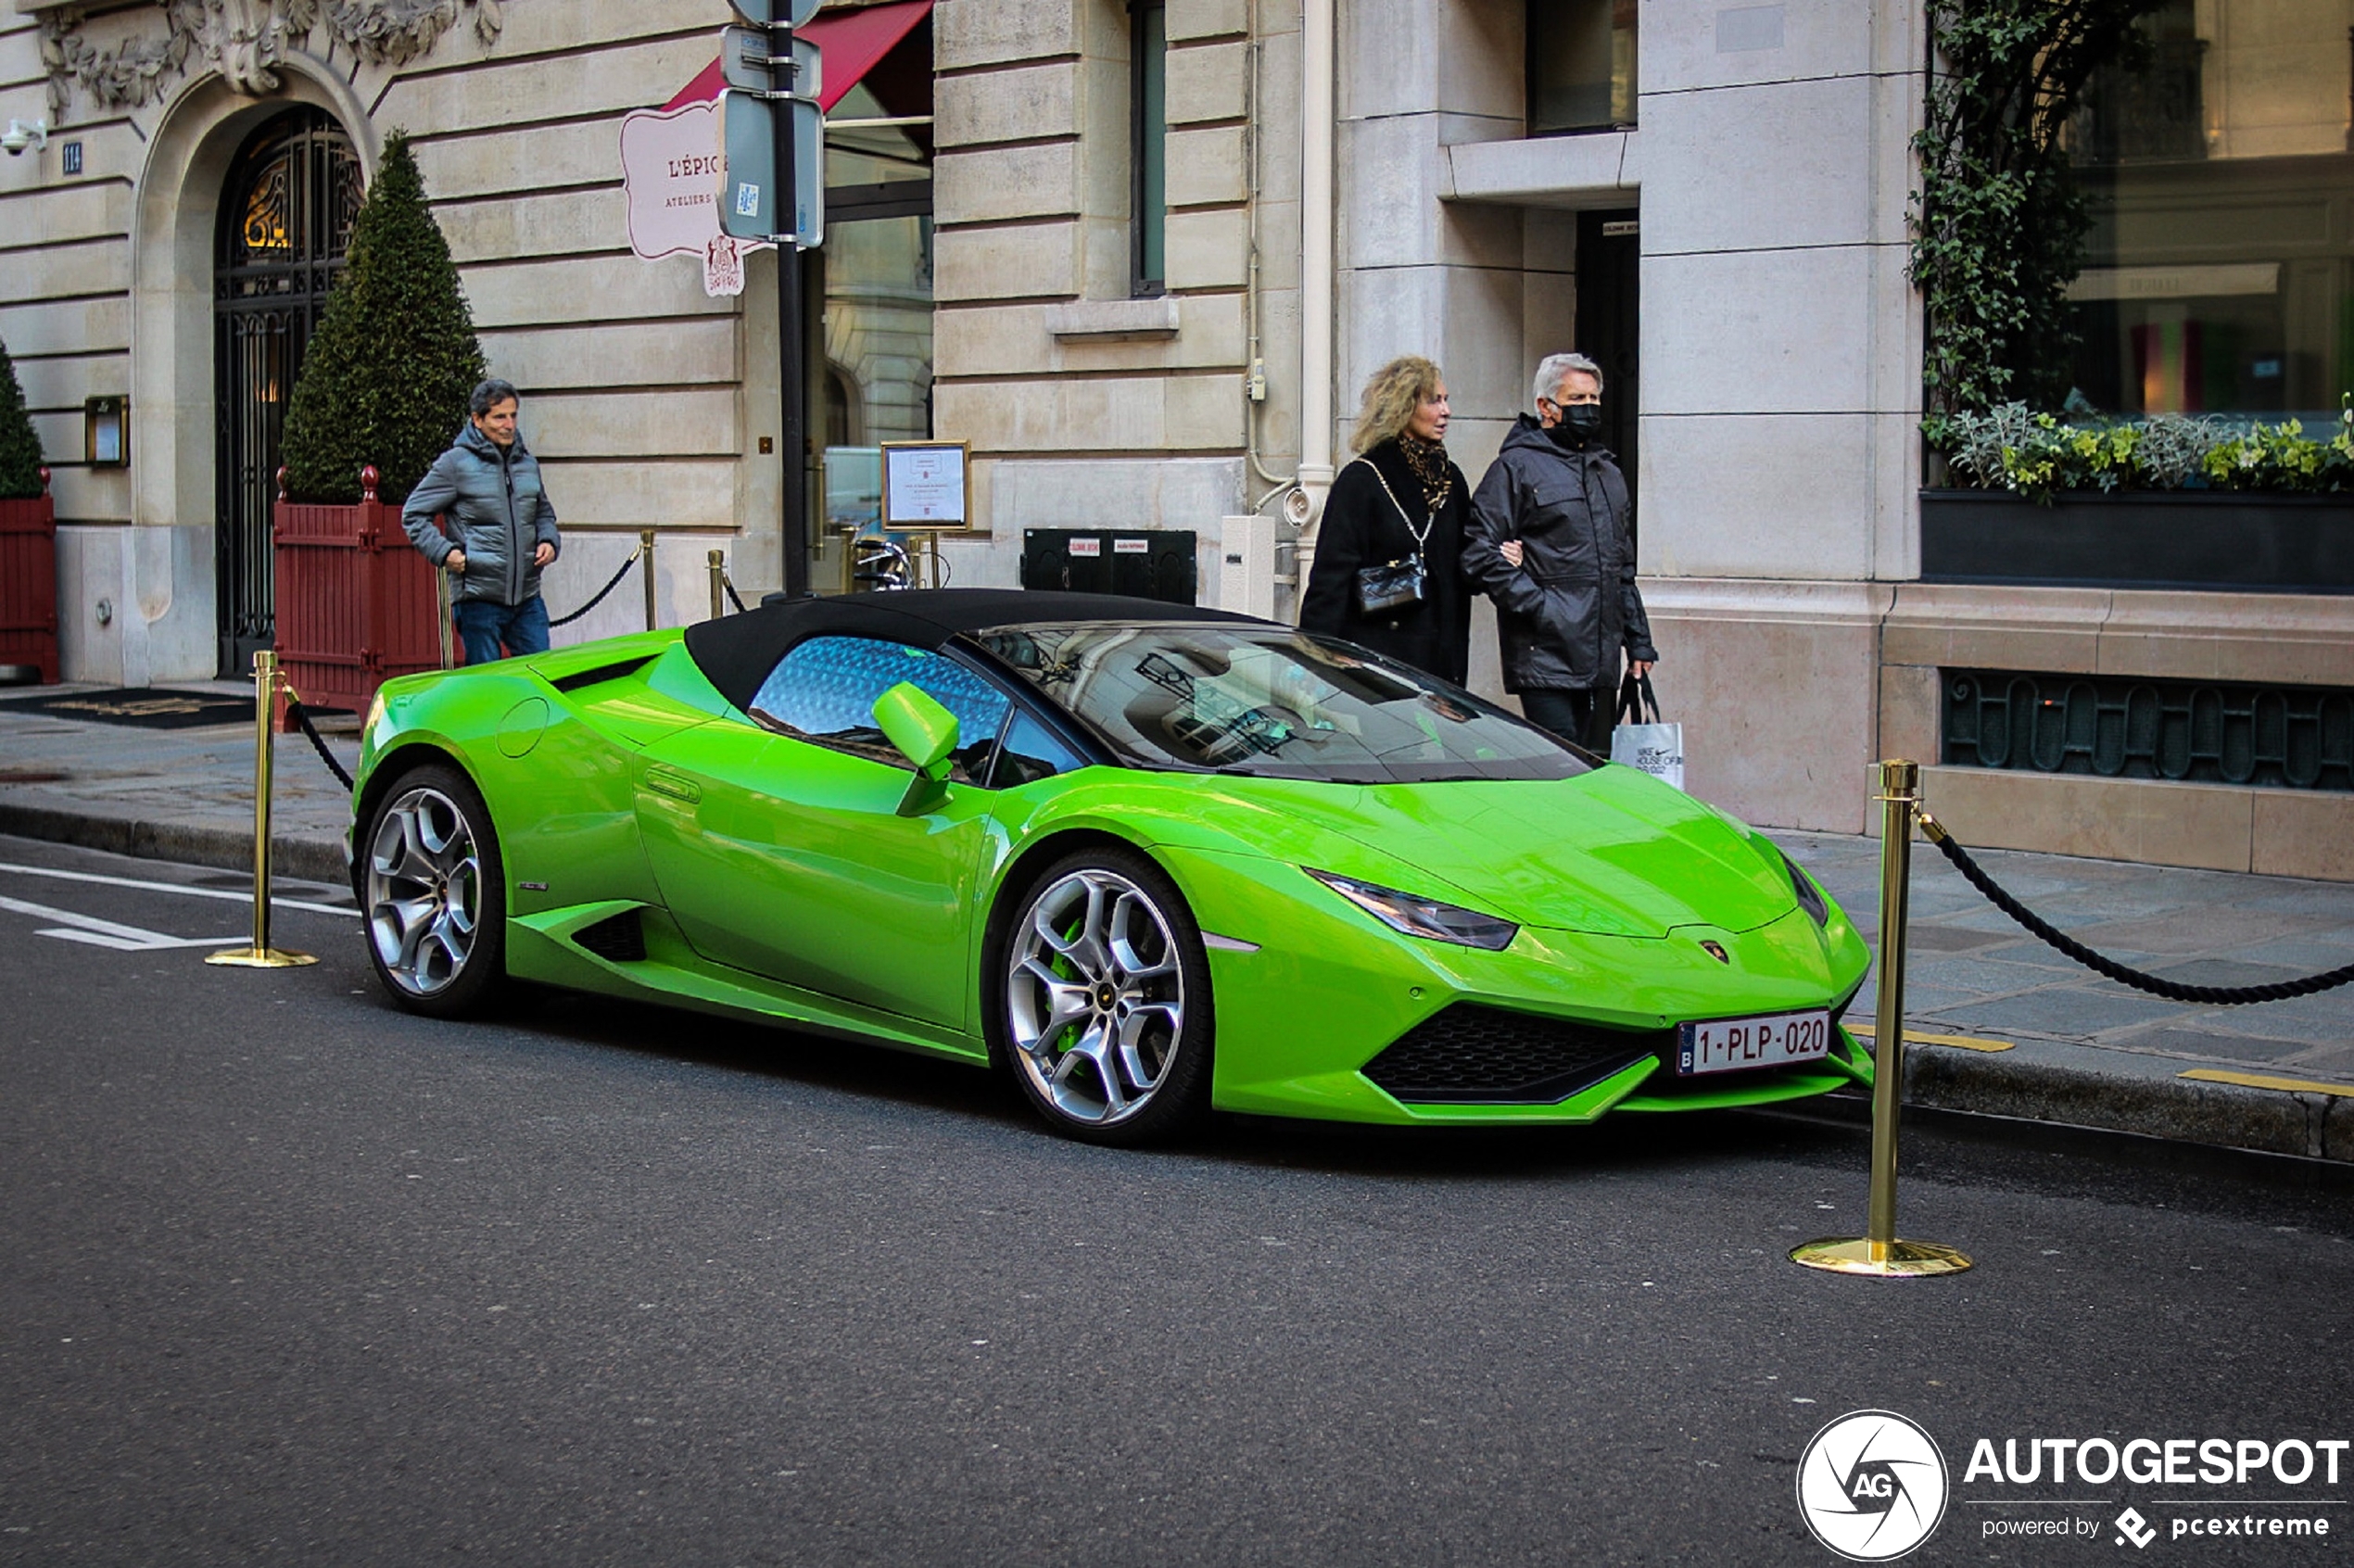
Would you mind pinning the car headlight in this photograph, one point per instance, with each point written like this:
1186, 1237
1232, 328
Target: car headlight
1810, 897
1422, 916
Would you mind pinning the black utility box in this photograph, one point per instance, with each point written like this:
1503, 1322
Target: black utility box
1145, 563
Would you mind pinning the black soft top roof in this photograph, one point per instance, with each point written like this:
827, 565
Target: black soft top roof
736, 652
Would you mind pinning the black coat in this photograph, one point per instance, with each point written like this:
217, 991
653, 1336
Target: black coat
1363, 527
1566, 613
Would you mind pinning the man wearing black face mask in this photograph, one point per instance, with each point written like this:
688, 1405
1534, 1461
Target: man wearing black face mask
1550, 541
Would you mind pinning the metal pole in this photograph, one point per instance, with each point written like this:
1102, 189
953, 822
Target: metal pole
1877, 1252
646, 566
441, 596
792, 373
718, 581
261, 956
793, 380
1900, 785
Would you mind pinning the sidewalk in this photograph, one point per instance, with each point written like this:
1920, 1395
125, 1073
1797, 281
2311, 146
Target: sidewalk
2001, 1024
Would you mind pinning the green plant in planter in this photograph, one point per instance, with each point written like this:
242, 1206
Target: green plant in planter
2280, 457
19, 446
386, 377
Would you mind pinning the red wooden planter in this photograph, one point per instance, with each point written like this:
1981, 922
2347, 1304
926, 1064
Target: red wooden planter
356, 603
29, 582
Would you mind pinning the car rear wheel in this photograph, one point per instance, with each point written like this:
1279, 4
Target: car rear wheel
435, 894
1104, 1015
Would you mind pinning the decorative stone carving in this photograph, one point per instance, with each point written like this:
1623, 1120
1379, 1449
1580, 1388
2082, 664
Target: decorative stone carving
395, 31
245, 41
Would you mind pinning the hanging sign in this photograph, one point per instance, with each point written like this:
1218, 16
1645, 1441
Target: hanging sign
670, 164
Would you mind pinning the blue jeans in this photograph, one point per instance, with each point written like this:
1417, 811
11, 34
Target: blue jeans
483, 625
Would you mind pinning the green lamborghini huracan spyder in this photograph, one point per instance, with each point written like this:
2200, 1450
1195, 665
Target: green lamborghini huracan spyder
1150, 859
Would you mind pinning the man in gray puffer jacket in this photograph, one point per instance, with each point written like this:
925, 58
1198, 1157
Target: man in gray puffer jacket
488, 485
1549, 542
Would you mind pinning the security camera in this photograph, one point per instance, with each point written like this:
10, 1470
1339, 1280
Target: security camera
21, 135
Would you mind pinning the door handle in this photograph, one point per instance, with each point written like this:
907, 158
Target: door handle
677, 785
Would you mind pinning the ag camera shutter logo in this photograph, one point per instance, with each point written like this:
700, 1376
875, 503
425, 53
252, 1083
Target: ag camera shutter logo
1872, 1486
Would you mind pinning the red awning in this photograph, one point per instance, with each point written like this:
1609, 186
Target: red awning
851, 42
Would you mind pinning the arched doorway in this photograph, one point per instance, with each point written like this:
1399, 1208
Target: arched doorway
285, 222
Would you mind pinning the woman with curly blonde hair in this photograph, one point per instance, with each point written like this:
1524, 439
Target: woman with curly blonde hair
1388, 571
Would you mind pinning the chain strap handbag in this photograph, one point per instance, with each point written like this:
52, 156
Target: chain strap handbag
1395, 585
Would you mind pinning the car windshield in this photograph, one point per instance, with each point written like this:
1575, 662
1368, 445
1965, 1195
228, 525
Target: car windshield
1272, 703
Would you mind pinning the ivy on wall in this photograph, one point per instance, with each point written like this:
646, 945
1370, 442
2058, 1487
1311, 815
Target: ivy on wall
1998, 225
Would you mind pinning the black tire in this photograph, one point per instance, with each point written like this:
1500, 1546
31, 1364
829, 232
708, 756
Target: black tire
433, 890
1147, 1015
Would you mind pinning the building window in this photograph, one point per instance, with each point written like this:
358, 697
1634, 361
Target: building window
2216, 279
1148, 141
1581, 65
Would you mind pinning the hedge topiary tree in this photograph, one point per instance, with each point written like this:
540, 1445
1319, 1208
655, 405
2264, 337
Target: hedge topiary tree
19, 448
386, 377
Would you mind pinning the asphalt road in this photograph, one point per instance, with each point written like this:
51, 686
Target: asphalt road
292, 1276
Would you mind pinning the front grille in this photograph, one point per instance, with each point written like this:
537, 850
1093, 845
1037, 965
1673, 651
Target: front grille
1467, 1054
617, 938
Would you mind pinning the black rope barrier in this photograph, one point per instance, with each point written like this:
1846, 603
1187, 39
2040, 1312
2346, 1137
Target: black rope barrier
733, 597
567, 620
301, 716
2173, 990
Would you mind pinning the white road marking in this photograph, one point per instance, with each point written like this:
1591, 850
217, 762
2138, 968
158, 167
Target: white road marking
243, 898
107, 933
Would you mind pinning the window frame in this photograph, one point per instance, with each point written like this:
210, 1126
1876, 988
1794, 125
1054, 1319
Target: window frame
1548, 9
1148, 148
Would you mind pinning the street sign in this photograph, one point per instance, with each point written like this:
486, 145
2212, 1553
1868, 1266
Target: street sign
775, 13
748, 177
744, 62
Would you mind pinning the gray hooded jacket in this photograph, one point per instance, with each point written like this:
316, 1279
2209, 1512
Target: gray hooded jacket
1571, 607
498, 509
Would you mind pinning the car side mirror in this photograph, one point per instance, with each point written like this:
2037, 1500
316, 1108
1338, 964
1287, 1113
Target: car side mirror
925, 733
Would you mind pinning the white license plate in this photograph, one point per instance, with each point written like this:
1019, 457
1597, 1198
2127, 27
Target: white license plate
1734, 1044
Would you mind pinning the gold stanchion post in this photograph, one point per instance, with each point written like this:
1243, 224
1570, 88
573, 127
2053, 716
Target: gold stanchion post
1877, 1252
718, 559
441, 596
261, 956
646, 565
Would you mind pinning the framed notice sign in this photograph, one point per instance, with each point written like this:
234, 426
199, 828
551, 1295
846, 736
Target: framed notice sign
926, 485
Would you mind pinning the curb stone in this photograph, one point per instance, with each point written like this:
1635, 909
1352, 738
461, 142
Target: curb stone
2182, 1111
311, 857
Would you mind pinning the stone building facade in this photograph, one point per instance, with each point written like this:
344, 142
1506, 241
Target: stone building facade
1711, 196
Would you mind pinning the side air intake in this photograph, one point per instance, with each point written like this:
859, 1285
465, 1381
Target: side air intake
617, 938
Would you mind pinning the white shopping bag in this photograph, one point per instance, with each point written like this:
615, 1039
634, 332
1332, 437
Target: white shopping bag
1641, 741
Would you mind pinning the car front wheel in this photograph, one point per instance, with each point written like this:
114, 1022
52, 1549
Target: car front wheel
1105, 1011
435, 894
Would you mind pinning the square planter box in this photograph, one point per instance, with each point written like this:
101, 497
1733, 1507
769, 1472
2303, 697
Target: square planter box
29, 583
356, 604
2219, 540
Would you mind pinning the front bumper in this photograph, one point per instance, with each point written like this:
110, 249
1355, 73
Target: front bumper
1323, 990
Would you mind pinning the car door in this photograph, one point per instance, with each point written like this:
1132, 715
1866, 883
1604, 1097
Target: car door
777, 843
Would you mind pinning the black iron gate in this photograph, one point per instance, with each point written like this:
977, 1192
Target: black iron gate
286, 220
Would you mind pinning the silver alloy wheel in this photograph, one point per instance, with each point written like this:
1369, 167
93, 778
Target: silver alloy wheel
1095, 996
425, 890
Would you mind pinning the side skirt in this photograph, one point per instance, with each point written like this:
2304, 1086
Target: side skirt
539, 948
